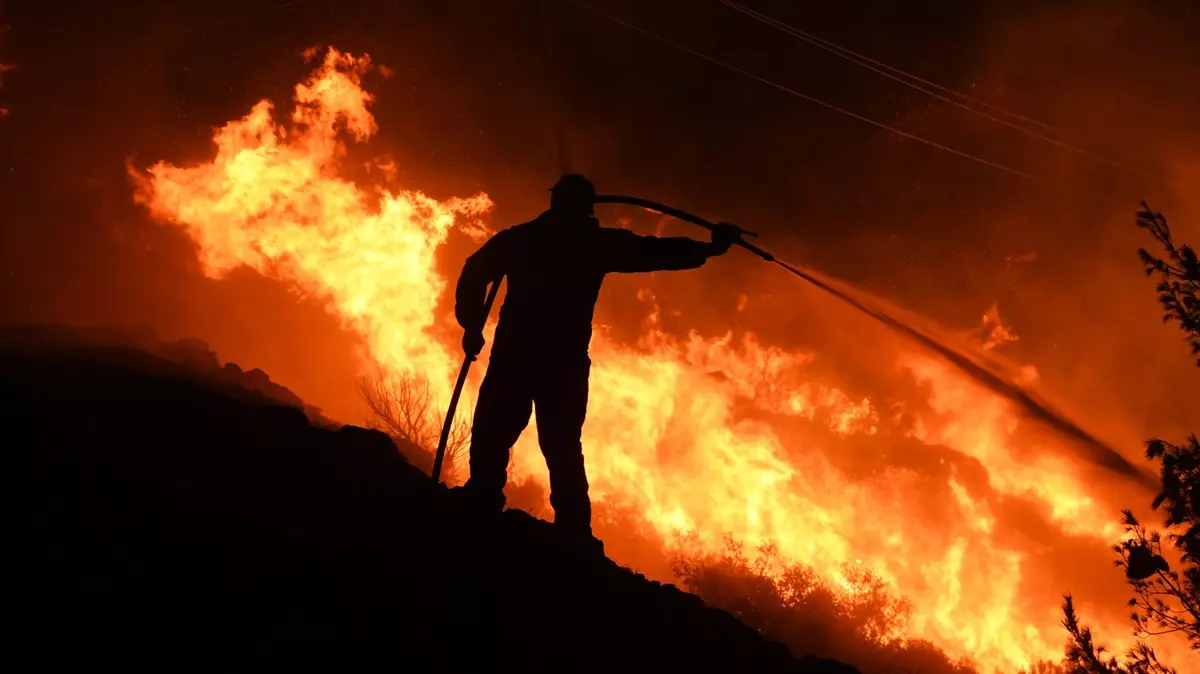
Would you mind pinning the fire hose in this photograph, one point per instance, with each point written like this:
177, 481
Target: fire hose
458, 387
1100, 452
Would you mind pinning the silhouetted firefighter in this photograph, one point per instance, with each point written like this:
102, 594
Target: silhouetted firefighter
555, 266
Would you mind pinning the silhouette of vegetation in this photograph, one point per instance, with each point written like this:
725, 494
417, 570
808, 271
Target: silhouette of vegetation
1178, 274
170, 520
860, 622
401, 405
193, 354
1085, 656
1166, 600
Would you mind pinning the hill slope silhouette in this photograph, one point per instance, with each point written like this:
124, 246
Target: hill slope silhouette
175, 519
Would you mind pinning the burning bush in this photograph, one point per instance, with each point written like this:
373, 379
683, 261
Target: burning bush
858, 622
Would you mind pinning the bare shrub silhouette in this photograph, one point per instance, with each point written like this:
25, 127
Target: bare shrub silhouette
401, 405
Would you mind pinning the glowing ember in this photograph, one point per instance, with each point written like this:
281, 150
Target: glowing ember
662, 436
4, 67
995, 332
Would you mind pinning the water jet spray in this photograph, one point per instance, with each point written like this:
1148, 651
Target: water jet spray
1099, 452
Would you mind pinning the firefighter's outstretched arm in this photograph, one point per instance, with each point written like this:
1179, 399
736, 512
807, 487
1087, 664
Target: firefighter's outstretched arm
632, 253
488, 265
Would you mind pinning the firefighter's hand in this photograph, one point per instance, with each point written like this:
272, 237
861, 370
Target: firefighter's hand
472, 343
724, 235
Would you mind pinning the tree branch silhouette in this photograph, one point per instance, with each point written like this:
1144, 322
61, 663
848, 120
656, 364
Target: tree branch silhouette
401, 405
1165, 601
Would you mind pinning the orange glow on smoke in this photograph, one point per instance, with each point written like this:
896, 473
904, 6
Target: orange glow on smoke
662, 436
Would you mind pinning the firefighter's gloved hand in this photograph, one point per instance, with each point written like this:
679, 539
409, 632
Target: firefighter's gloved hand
724, 235
472, 343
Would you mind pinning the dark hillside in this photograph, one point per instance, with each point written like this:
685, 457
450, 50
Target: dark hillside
169, 519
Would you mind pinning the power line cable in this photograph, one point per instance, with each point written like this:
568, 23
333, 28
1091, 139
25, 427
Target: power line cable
948, 90
930, 88
807, 97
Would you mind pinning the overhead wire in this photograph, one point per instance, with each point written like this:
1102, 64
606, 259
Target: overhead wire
932, 88
857, 55
812, 99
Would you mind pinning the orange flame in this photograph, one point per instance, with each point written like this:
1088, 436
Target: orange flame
662, 435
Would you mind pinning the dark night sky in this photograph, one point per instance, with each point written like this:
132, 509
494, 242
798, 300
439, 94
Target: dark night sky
469, 108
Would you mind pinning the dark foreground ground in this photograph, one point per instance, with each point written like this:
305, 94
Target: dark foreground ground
176, 515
